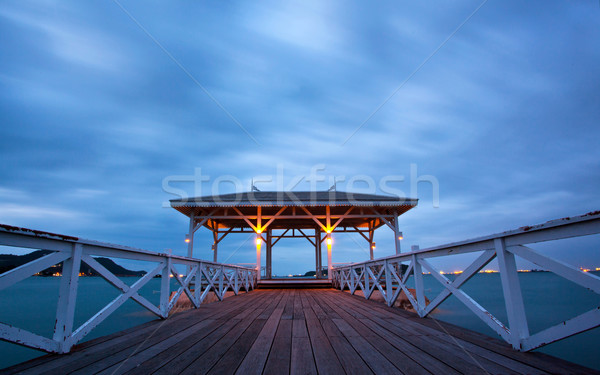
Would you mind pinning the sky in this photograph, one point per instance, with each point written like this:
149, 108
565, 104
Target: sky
107, 106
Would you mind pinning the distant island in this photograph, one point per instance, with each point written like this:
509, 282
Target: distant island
9, 261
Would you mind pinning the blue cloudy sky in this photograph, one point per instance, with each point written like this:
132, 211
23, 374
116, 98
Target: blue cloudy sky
102, 101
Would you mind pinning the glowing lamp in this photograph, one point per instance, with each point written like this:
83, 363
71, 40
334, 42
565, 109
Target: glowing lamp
373, 246
329, 242
400, 236
258, 242
187, 238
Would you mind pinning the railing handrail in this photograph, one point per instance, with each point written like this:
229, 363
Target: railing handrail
59, 238
524, 235
389, 275
201, 278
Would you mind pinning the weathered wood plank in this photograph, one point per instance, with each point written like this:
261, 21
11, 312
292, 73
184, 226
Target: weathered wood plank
452, 356
154, 352
280, 354
296, 331
197, 344
288, 311
204, 362
302, 361
325, 359
256, 357
538, 360
125, 343
401, 360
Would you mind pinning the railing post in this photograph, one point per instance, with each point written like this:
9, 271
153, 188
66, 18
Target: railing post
513, 298
419, 289
165, 287
67, 297
198, 283
366, 291
389, 291
221, 281
352, 281
236, 281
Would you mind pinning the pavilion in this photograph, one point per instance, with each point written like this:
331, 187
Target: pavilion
313, 215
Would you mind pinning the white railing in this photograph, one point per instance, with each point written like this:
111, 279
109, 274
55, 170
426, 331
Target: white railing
386, 275
71, 251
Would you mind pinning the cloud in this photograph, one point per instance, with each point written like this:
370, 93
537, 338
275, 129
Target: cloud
95, 115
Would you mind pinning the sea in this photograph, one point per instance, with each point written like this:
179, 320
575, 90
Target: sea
549, 299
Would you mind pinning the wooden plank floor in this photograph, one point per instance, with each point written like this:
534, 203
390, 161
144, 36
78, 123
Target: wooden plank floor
297, 331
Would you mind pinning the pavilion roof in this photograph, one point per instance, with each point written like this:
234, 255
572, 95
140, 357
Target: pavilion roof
294, 198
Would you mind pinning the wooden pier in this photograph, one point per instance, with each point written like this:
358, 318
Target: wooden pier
296, 331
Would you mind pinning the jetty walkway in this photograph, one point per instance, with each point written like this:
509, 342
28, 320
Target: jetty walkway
306, 331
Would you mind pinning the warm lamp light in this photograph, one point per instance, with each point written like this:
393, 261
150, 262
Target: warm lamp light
187, 238
400, 236
373, 246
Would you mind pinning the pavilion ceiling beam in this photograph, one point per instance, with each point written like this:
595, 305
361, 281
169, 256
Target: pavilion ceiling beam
274, 217
362, 234
245, 219
307, 237
224, 234
279, 237
204, 220
386, 221
321, 217
340, 219
314, 218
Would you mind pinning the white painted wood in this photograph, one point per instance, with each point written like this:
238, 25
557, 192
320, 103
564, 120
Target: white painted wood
28, 339
565, 270
67, 298
91, 323
475, 307
581, 323
465, 276
24, 271
117, 283
165, 287
419, 288
513, 299
72, 251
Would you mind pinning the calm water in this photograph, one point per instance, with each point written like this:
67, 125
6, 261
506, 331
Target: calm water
31, 304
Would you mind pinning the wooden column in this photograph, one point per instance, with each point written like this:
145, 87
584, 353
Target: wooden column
257, 260
318, 252
329, 264
269, 272
215, 245
396, 233
190, 244
371, 235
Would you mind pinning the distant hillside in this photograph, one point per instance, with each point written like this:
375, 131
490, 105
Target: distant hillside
8, 262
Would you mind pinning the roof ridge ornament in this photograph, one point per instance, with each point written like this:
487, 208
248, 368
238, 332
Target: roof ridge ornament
334, 186
253, 187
